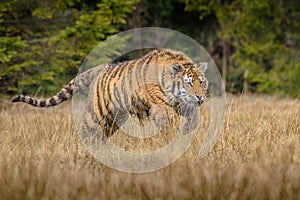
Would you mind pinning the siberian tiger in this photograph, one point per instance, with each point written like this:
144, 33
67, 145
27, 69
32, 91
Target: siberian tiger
151, 87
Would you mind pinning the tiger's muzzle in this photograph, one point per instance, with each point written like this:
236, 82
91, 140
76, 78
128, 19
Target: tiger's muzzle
200, 99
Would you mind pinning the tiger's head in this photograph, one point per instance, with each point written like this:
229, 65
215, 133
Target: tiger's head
189, 85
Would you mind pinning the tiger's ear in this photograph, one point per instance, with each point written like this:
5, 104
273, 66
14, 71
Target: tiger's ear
175, 69
202, 66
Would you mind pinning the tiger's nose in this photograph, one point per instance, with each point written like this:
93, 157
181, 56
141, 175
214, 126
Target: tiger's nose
200, 99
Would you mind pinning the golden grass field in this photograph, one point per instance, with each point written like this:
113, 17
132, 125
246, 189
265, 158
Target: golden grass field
257, 157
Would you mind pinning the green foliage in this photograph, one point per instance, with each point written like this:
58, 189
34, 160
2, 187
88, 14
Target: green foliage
205, 7
264, 37
9, 48
77, 41
47, 9
43, 43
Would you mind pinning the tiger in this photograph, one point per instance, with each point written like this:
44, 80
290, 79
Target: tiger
151, 87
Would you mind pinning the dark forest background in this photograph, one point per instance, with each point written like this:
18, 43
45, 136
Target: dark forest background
255, 44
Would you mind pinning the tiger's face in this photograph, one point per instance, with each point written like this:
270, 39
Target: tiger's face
190, 84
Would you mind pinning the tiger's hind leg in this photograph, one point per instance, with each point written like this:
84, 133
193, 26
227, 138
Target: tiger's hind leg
111, 122
90, 128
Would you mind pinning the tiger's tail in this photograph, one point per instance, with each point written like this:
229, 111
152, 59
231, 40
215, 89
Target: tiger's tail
81, 81
64, 94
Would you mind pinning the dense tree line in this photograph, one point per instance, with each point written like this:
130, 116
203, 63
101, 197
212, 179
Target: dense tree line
254, 43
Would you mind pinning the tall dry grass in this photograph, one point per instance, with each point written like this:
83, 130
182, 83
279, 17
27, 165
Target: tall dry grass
257, 157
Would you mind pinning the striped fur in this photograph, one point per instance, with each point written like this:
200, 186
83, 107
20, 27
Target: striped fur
151, 87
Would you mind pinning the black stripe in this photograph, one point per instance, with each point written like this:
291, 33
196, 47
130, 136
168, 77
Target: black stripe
145, 104
52, 102
43, 103
62, 96
124, 93
108, 92
173, 87
98, 97
114, 71
178, 85
161, 98
111, 124
105, 76
123, 89
145, 72
139, 66
139, 84
69, 89
150, 54
101, 77
121, 71
15, 99
163, 77
118, 97
117, 71
103, 86
150, 59
129, 78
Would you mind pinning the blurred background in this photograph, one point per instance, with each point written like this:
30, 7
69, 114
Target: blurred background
255, 44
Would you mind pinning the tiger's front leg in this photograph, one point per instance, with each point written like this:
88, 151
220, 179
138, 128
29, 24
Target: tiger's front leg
192, 121
163, 117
